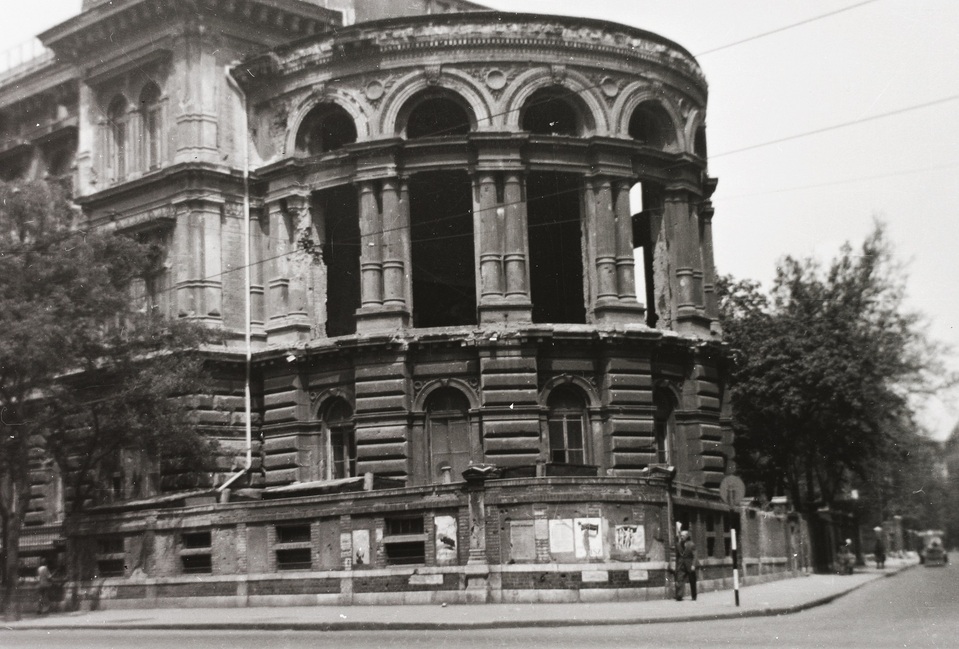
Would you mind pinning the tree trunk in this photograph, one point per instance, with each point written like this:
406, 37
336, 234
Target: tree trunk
16, 509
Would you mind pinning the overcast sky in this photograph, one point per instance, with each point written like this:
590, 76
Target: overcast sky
807, 195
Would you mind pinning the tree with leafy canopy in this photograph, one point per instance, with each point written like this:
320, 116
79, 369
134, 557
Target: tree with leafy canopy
89, 377
827, 368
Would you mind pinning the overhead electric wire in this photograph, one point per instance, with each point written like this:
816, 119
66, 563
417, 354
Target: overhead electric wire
783, 28
576, 189
835, 127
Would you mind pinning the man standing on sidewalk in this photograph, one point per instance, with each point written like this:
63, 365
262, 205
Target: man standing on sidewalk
685, 565
44, 584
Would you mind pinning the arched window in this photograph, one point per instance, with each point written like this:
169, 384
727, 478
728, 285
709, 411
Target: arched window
447, 428
549, 111
437, 117
341, 440
151, 121
567, 426
664, 426
327, 127
699, 142
651, 125
117, 138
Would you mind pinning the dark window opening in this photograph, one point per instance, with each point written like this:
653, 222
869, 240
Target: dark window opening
197, 564
111, 568
436, 117
340, 228
555, 247
567, 426
651, 125
699, 142
117, 124
405, 553
342, 439
110, 545
327, 127
194, 540
441, 231
14, 168
294, 559
549, 112
664, 424
646, 226
447, 422
405, 525
152, 127
293, 534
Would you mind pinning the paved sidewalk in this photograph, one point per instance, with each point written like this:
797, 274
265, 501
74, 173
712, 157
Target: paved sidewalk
774, 598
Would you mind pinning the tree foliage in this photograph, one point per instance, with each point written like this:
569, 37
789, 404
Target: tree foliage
828, 364
89, 377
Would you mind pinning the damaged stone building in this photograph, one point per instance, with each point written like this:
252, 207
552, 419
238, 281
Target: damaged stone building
486, 364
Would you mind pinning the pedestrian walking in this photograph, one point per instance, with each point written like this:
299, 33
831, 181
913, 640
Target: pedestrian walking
879, 552
44, 585
685, 566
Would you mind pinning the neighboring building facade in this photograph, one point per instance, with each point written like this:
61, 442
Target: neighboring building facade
475, 357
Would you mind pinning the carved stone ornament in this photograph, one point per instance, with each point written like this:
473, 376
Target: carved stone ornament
374, 90
432, 73
495, 79
558, 71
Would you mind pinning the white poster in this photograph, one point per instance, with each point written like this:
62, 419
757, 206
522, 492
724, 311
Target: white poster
361, 547
588, 537
630, 538
561, 535
445, 539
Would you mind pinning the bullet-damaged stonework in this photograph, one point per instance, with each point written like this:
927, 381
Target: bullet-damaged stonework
487, 364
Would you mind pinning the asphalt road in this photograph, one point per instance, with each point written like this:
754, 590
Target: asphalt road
918, 608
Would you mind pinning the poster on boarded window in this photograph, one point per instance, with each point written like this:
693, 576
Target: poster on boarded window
445, 539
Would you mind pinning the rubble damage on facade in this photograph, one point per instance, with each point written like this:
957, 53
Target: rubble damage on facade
487, 364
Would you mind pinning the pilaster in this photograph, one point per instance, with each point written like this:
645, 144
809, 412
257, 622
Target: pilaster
197, 259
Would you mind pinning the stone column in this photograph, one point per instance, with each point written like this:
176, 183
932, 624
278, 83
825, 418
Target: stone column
517, 244
706, 212
500, 218
371, 260
599, 205
611, 250
385, 256
625, 264
396, 228
489, 216
686, 260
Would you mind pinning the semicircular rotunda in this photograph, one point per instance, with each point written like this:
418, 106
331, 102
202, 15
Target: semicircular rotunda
486, 360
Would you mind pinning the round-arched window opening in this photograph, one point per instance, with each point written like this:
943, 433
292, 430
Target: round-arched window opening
699, 142
652, 126
447, 423
436, 117
549, 111
327, 127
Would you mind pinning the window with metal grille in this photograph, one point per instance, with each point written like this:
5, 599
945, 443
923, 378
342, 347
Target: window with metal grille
404, 540
195, 555
293, 533
294, 549
294, 559
567, 425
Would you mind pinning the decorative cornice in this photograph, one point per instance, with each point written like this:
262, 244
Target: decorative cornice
479, 30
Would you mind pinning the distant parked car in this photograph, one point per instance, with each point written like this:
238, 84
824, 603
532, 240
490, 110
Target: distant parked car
934, 554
